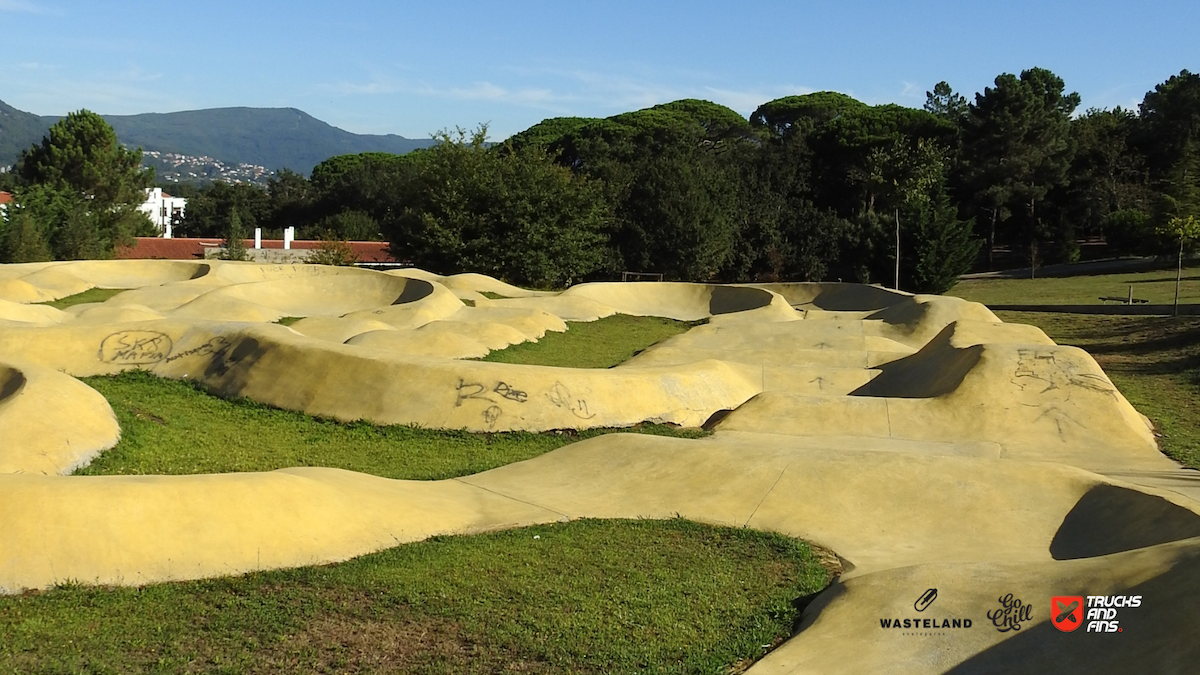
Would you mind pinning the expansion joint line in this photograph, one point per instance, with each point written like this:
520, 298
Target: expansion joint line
501, 494
768, 494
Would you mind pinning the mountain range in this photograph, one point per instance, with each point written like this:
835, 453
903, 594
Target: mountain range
275, 138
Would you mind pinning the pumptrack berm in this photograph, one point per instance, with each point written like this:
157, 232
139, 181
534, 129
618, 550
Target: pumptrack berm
929, 444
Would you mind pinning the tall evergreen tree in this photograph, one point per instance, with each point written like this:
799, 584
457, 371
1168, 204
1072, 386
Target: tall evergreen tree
1017, 148
939, 247
235, 234
81, 155
24, 239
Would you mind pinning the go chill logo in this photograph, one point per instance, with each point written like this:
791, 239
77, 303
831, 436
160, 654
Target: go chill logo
1067, 612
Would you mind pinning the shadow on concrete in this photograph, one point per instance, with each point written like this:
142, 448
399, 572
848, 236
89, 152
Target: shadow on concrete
1157, 637
1110, 519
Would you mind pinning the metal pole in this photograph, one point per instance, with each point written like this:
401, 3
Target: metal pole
897, 286
1178, 274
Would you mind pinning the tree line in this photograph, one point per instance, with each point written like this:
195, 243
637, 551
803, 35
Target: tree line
813, 187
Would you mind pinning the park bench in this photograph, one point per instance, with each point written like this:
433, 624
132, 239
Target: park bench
1128, 300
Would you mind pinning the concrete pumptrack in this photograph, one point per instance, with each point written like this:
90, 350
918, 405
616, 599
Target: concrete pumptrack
927, 443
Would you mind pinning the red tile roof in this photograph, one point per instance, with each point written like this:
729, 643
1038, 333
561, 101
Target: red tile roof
5, 197
182, 248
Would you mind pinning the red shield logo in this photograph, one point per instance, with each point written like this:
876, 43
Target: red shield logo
1066, 612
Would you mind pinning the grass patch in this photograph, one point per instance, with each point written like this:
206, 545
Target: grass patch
289, 320
587, 596
593, 344
1158, 287
172, 427
90, 295
493, 296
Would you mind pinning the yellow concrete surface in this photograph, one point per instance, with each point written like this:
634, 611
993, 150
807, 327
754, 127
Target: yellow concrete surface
50, 423
924, 441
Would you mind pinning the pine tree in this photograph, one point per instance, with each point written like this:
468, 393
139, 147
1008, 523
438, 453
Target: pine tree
81, 158
235, 247
940, 247
24, 240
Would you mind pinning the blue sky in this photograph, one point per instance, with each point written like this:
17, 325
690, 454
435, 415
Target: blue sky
414, 68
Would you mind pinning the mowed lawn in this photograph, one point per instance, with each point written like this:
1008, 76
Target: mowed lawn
601, 597
173, 427
590, 596
91, 295
593, 344
1153, 360
1157, 287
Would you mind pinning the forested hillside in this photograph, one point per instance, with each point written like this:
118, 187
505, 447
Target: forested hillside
18, 131
275, 138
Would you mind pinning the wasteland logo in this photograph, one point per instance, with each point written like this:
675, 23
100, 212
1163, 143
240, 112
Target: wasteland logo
924, 624
1011, 614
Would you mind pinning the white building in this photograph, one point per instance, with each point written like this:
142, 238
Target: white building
162, 209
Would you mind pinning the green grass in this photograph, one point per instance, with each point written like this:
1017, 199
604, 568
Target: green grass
289, 320
1158, 287
580, 597
593, 344
91, 295
172, 427
492, 296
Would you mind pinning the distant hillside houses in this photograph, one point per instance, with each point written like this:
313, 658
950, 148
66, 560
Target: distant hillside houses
173, 167
163, 210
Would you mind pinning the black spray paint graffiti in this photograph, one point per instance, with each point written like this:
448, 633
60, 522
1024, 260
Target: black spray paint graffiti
1041, 366
469, 390
511, 394
560, 396
491, 415
466, 391
135, 348
217, 345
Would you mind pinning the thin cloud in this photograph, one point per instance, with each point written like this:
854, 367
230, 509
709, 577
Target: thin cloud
619, 93
541, 98
19, 6
746, 102
26, 8
108, 93
555, 91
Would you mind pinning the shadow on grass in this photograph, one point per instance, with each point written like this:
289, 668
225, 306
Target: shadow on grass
1170, 279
